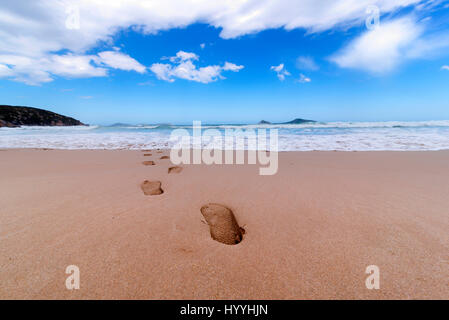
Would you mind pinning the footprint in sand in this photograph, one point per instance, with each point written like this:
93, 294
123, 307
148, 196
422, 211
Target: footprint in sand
222, 223
147, 154
165, 157
151, 188
174, 169
148, 163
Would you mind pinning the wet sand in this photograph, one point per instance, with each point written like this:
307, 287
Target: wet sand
310, 230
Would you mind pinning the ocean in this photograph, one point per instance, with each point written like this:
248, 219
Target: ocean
323, 136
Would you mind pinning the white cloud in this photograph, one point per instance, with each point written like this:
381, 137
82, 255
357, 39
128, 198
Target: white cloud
162, 71
42, 23
118, 60
202, 45
306, 63
37, 29
34, 70
381, 49
445, 68
280, 71
304, 79
182, 67
232, 67
183, 56
73, 66
390, 44
246, 17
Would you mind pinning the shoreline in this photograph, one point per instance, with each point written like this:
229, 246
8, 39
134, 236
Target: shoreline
283, 151
310, 230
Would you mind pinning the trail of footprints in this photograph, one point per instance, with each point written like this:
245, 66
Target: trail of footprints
222, 223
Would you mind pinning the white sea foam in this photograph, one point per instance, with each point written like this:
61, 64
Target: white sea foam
344, 136
380, 124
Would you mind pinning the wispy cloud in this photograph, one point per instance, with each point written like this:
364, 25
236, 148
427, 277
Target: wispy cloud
445, 67
121, 61
281, 72
5, 71
146, 83
228, 66
306, 63
304, 79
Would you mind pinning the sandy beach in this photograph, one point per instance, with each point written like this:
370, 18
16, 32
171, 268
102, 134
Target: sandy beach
310, 230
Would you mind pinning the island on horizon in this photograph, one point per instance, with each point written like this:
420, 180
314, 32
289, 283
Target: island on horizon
294, 121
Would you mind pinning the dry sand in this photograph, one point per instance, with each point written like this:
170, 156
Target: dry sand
311, 229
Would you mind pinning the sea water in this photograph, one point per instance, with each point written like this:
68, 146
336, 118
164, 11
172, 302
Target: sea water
340, 136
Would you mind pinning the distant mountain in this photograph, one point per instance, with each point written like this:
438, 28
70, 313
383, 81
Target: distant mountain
119, 124
295, 121
14, 116
298, 121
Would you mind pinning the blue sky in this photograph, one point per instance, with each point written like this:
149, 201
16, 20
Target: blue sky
327, 71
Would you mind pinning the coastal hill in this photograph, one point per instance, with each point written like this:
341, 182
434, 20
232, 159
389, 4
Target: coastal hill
14, 116
294, 121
